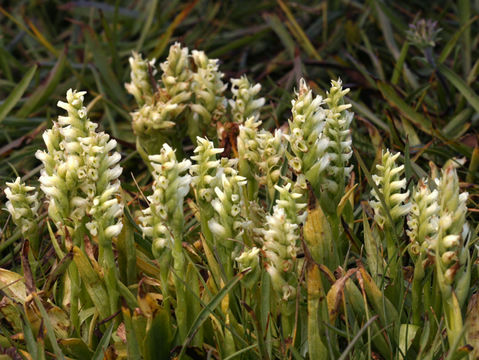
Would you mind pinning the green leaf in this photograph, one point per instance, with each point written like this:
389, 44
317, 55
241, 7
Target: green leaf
210, 307
33, 345
395, 100
351, 344
101, 62
93, 283
48, 326
76, 348
131, 337
461, 86
275, 23
103, 344
453, 40
43, 93
159, 338
17, 93
400, 64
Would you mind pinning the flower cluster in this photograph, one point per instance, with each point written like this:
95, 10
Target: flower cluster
209, 104
244, 103
272, 151
280, 246
289, 200
249, 258
320, 140
249, 148
423, 219
140, 86
23, 206
163, 219
80, 174
281, 240
306, 138
176, 74
423, 33
337, 130
205, 168
227, 224
159, 109
448, 244
389, 182
188, 81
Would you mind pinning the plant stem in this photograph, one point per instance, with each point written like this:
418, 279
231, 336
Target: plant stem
107, 259
317, 350
416, 291
180, 270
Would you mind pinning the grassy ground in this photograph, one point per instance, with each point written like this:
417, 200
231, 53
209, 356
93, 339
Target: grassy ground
411, 91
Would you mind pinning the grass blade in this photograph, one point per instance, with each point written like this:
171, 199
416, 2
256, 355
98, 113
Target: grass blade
350, 346
461, 86
93, 283
453, 40
394, 100
17, 93
105, 340
210, 307
48, 326
43, 93
166, 37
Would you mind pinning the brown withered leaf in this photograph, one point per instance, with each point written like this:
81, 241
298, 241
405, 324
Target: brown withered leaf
336, 293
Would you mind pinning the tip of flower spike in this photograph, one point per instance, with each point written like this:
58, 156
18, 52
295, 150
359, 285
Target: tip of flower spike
303, 87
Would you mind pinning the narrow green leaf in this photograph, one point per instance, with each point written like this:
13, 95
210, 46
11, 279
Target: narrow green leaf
93, 283
368, 114
385, 18
210, 307
150, 15
76, 348
275, 23
400, 63
464, 10
159, 338
373, 252
103, 344
132, 344
473, 168
239, 352
395, 100
453, 40
101, 62
17, 93
43, 93
126, 294
166, 37
48, 326
454, 127
351, 344
461, 86
125, 245
30, 341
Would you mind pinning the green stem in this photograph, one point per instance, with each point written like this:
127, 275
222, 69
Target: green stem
287, 319
75, 282
317, 350
416, 291
74, 294
392, 250
107, 259
338, 255
181, 305
164, 262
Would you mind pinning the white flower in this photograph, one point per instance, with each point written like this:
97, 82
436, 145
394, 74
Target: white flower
390, 184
